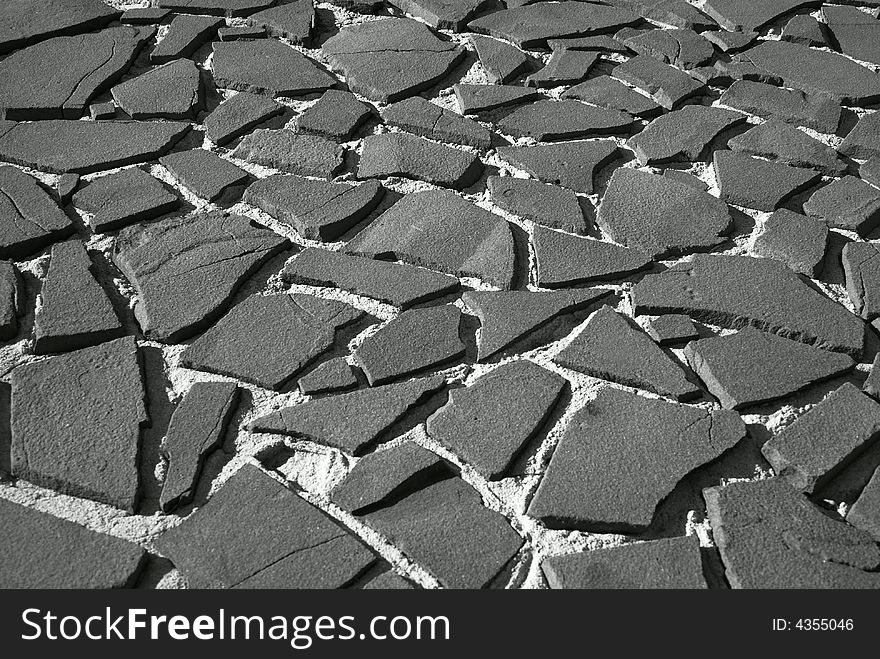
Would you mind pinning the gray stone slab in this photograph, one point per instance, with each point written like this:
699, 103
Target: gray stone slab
29, 217
124, 198
401, 154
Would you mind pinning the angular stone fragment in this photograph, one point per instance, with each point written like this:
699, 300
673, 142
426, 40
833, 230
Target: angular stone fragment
286, 151
861, 265
865, 512
749, 15
171, 91
76, 421
318, 210
539, 202
10, 300
269, 339
443, 14
847, 203
446, 528
438, 229
572, 165
684, 49
753, 367
66, 186
731, 42
683, 134
754, 183
667, 85
863, 141
677, 13
565, 67
796, 240
548, 121
473, 99
206, 174
501, 61
782, 143
336, 116
770, 536
736, 291
124, 198
196, 428
418, 339
23, 22
237, 115
232, 8
565, 260
666, 563
184, 37
43, 551
400, 154
392, 283
870, 171
256, 533
186, 269
83, 147
489, 423
622, 454
354, 421
292, 21
421, 117
606, 92
58, 78
29, 218
805, 30
792, 106
856, 34
332, 376
144, 15
389, 60
671, 329
267, 67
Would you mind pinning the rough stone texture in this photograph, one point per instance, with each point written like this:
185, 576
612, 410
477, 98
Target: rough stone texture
286, 151
805, 30
672, 329
669, 86
545, 204
292, 21
749, 15
677, 13
759, 184
861, 265
400, 154
565, 67
184, 37
10, 300
872, 382
572, 165
443, 14
421, 117
502, 61
796, 240
607, 92
29, 218
23, 22
238, 115
336, 116
124, 198
684, 49
67, 185
332, 376
473, 99
206, 174
865, 512
870, 171
780, 142
857, 34
792, 106
268, 67
548, 121
847, 203
862, 140
147, 96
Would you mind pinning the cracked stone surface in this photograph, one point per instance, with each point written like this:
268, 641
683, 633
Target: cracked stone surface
267, 67
22, 26
401, 154
237, 115
796, 240
10, 300
861, 265
759, 184
147, 97
473, 99
30, 217
286, 151
779, 142
551, 121
607, 92
792, 106
501, 61
185, 34
421, 117
336, 116
572, 165
206, 174
541, 203
124, 198
847, 203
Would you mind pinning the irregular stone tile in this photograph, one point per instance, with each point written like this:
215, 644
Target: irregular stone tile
383, 476
417, 340
677, 13
352, 422
857, 34
613, 349
863, 141
870, 171
847, 203
269, 339
672, 329
737, 291
286, 151
599, 42
550, 205
184, 37
731, 42
238, 115
144, 15
489, 423
421, 117
660, 216
792, 106
236, 33
256, 533
752, 367
29, 217
473, 99
23, 22
171, 91
67, 186
389, 60
392, 283
548, 121
124, 198
332, 376
782, 143
501, 61
606, 92
443, 14
74, 312
196, 428
400, 154
682, 48
861, 265
206, 174
572, 165
186, 269
759, 184
336, 116
508, 316
83, 147
437, 229
293, 21
864, 514
566, 260
232, 8
446, 528
686, 178
805, 30
565, 67
268, 67
531, 26
683, 134
796, 240
666, 563
58, 78
668, 86
10, 300
76, 421
318, 210
43, 551
622, 454
388, 581
749, 15
770, 536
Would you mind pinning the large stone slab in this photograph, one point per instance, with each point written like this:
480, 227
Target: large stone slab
184, 37
286, 151
846, 203
792, 106
857, 34
683, 134
293, 21
550, 121
268, 67
501, 61
124, 198
861, 266
206, 174
749, 15
796, 240
572, 165
759, 184
780, 142
232, 8
608, 92
421, 117
669, 86
171, 91
401, 154
238, 115
29, 217
550, 205
23, 22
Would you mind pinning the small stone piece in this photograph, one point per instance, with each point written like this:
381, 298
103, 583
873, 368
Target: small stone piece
186, 269
805, 30
782, 143
29, 218
672, 329
847, 203
789, 105
237, 115
796, 240
856, 34
865, 512
206, 174
550, 205
293, 21
352, 422
572, 165
236, 33
286, 151
332, 376
731, 42
861, 265
66, 186
565, 67
752, 367
863, 141
566, 260
684, 49
400, 154
267, 67
196, 428
749, 15
754, 183
473, 99
269, 339
184, 37
62, 404
622, 454
501, 61
669, 86
870, 171
172, 91
606, 92
549, 121
124, 198
667, 563
23, 22
10, 300
418, 339
105, 110
336, 116
421, 117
